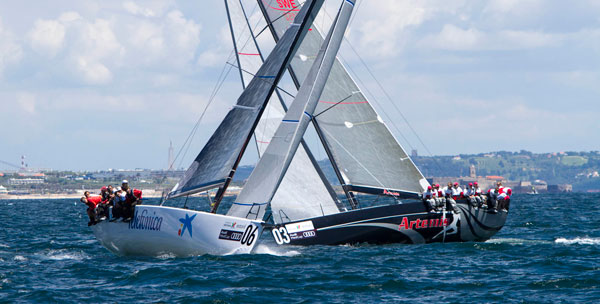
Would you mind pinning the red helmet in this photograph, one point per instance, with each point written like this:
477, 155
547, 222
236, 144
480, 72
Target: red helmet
428, 187
455, 184
103, 188
470, 184
475, 183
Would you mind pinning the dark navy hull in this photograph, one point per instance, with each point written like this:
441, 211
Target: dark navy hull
408, 223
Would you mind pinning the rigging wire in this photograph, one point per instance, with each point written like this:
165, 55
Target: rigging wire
261, 79
187, 141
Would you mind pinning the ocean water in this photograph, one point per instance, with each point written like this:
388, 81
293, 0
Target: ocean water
548, 252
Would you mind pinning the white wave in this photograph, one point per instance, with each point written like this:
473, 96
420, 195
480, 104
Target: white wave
278, 251
4, 246
59, 255
579, 241
515, 241
166, 256
19, 258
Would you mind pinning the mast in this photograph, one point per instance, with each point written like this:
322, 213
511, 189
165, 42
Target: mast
297, 84
351, 199
270, 170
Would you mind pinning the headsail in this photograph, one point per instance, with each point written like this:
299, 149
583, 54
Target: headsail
368, 156
314, 197
270, 170
223, 151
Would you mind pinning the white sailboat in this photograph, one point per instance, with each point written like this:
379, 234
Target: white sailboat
157, 230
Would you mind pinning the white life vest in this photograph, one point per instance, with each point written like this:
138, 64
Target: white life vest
427, 194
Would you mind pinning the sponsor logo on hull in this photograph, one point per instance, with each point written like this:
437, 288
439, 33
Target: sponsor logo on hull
186, 224
144, 221
422, 224
230, 235
294, 232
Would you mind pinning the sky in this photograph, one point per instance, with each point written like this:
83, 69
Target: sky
89, 85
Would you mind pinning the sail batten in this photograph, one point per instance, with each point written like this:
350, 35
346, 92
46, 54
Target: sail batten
272, 167
222, 153
361, 146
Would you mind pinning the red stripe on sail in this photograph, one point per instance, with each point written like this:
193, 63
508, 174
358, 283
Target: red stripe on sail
352, 102
248, 54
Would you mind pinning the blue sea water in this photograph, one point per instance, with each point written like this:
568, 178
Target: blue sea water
548, 252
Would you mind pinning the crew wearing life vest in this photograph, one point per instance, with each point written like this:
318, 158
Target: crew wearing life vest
457, 191
428, 198
91, 201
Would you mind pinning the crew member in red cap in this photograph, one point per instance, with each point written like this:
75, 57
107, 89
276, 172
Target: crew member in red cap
457, 191
428, 199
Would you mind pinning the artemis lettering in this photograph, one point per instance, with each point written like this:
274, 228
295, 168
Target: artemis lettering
420, 224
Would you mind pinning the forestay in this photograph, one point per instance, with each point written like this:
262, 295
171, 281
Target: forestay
221, 154
271, 168
362, 146
302, 193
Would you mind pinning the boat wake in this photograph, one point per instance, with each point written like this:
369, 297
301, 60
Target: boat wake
277, 251
60, 255
578, 241
516, 241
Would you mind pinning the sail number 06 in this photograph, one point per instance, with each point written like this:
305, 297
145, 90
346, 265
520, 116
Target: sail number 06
281, 235
249, 235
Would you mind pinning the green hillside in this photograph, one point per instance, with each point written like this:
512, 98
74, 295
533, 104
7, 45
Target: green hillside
577, 168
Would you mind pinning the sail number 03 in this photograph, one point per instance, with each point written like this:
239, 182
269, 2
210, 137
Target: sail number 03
249, 235
281, 235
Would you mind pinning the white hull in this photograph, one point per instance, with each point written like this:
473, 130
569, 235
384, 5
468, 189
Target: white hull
158, 230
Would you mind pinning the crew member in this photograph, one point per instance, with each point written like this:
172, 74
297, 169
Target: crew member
428, 199
131, 200
450, 202
457, 191
118, 202
91, 201
478, 195
470, 194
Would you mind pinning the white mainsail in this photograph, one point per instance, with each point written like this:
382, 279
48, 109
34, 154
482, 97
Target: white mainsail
270, 170
368, 156
303, 192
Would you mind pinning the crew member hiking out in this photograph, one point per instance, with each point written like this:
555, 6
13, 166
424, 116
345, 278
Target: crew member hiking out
428, 199
132, 199
91, 201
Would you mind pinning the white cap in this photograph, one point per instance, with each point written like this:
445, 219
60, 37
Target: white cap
125, 182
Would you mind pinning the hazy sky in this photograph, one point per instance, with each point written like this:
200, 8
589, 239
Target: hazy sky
107, 84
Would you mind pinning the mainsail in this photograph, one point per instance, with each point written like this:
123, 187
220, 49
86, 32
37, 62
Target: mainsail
217, 161
270, 170
366, 153
303, 192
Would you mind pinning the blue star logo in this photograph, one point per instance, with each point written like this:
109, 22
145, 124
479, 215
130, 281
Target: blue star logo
186, 224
